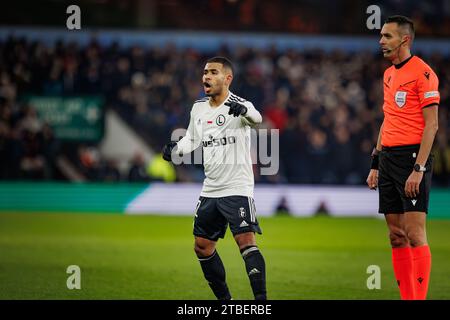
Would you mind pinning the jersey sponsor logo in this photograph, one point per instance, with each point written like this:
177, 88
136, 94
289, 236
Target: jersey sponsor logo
431, 94
220, 120
400, 98
219, 141
427, 75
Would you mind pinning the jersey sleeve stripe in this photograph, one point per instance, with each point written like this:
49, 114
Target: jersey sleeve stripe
239, 99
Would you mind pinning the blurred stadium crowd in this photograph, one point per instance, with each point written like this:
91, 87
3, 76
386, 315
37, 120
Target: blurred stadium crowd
327, 106
432, 18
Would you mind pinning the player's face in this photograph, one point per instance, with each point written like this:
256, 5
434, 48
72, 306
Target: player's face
215, 78
391, 40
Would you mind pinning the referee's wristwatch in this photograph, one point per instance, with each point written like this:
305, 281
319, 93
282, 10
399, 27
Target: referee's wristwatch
419, 168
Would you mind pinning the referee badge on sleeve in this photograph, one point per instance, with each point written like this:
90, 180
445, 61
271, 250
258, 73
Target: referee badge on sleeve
400, 98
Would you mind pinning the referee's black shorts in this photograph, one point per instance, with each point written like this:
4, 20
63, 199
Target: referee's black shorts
395, 166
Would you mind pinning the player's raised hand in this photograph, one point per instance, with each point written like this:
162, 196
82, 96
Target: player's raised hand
167, 150
372, 179
236, 109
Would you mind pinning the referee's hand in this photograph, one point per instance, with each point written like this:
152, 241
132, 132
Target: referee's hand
372, 179
412, 184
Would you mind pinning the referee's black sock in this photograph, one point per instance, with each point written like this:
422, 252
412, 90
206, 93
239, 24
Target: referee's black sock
256, 271
214, 272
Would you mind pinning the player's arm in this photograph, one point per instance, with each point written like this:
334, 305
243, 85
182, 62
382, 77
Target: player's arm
430, 116
252, 116
190, 141
187, 144
372, 179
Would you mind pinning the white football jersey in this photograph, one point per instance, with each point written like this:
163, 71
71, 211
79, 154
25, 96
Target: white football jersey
225, 140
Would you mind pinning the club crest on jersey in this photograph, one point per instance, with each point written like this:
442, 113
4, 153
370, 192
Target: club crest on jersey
220, 120
242, 212
400, 98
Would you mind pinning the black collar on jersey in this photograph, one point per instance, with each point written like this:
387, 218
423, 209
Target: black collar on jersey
401, 64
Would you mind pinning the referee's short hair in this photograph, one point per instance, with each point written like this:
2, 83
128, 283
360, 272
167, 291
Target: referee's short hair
222, 60
404, 23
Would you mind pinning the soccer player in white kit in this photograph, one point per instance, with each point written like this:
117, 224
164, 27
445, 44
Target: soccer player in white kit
221, 123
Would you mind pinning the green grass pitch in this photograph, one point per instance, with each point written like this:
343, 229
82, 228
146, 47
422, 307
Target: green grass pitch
152, 257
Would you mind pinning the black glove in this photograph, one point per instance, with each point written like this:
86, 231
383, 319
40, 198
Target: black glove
236, 109
167, 150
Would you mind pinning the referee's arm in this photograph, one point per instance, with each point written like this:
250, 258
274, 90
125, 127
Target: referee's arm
379, 138
372, 179
430, 116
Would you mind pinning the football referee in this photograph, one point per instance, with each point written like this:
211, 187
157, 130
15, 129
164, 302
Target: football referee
401, 162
